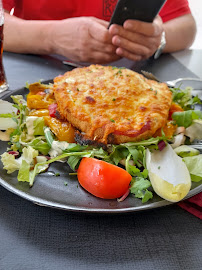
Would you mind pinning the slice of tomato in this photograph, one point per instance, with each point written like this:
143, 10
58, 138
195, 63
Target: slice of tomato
103, 179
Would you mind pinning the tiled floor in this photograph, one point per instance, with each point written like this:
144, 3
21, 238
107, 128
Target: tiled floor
196, 8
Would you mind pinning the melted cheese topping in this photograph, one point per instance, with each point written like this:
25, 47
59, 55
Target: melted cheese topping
103, 101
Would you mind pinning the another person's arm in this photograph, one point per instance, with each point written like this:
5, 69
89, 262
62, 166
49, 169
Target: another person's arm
180, 33
80, 39
139, 40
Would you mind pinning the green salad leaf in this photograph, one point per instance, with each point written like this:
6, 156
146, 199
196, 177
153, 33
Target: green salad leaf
184, 98
185, 119
118, 153
186, 151
139, 187
39, 126
35, 126
9, 163
194, 165
24, 172
195, 130
40, 145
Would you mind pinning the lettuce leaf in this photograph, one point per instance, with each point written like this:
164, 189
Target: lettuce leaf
185, 119
24, 171
39, 126
194, 165
35, 126
40, 145
9, 163
184, 98
186, 151
194, 131
25, 174
195, 178
144, 142
118, 153
139, 187
7, 115
18, 99
73, 161
28, 154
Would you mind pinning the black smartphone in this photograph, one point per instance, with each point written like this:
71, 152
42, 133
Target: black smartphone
142, 10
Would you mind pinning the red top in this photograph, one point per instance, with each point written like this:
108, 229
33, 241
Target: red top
62, 9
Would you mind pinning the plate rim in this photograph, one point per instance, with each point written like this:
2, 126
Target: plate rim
61, 206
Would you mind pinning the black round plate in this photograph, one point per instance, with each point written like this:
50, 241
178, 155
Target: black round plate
64, 191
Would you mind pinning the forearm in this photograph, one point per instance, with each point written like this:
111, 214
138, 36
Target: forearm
22, 36
180, 33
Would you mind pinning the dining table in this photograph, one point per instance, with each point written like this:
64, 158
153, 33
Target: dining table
35, 236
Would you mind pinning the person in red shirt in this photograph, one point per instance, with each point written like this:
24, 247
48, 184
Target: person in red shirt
77, 29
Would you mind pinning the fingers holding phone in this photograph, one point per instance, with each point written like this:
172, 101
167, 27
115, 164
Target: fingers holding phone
136, 29
137, 40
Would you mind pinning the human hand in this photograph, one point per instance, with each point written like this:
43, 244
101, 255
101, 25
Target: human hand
82, 39
137, 40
